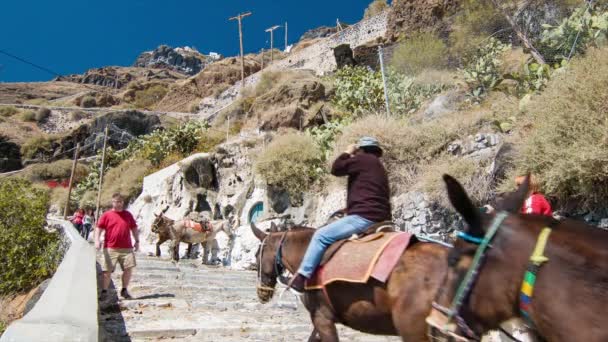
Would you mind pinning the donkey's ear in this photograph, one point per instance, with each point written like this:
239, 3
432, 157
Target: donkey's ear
463, 205
513, 201
165, 210
258, 233
273, 228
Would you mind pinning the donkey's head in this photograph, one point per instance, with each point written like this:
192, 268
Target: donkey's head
266, 261
160, 221
461, 257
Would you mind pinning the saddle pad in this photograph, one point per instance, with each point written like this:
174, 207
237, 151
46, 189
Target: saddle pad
199, 227
356, 261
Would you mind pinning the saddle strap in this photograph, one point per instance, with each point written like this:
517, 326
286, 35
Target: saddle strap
537, 259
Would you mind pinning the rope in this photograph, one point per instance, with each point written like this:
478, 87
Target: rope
579, 32
466, 283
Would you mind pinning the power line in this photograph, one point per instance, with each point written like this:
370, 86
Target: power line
47, 70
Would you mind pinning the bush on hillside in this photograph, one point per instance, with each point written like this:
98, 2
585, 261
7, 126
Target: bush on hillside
29, 253
146, 98
586, 26
8, 111
126, 178
77, 115
419, 53
358, 91
42, 114
34, 145
291, 162
374, 8
208, 141
60, 169
28, 116
88, 102
482, 72
564, 140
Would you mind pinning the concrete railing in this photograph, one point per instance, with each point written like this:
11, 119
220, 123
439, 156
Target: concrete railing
67, 310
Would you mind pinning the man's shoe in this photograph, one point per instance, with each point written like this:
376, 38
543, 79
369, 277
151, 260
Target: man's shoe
103, 296
125, 294
296, 286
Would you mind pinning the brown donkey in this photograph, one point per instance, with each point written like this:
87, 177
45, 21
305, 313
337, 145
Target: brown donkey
397, 307
569, 296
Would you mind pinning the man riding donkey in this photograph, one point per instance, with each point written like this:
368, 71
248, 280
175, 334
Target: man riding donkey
367, 200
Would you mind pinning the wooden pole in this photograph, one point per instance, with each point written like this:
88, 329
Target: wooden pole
381, 58
271, 30
74, 164
262, 58
239, 18
103, 163
285, 36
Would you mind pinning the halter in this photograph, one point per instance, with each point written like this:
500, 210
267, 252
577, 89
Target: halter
464, 289
278, 263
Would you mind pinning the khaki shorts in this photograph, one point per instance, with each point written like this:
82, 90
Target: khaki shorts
124, 256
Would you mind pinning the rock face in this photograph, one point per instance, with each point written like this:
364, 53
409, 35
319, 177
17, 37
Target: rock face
119, 77
123, 127
11, 155
344, 56
409, 16
184, 60
289, 104
320, 32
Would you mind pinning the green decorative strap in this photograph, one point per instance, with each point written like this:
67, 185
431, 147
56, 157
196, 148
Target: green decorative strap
466, 283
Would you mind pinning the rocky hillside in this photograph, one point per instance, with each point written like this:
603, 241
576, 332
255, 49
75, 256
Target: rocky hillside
185, 60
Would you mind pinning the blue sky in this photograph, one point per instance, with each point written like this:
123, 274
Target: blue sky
71, 36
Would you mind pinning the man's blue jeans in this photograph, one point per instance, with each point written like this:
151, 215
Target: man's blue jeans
324, 237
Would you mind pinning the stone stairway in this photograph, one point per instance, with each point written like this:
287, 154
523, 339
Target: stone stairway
192, 302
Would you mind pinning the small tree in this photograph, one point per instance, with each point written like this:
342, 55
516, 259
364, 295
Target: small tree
28, 254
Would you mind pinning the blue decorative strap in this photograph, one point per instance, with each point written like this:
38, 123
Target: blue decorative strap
469, 238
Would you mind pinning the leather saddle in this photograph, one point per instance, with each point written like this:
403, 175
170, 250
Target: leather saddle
201, 227
375, 231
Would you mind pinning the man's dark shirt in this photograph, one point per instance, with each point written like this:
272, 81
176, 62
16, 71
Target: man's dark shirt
368, 190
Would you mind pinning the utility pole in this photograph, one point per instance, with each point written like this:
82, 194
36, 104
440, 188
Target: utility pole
262, 58
239, 18
103, 161
381, 58
285, 36
271, 30
74, 164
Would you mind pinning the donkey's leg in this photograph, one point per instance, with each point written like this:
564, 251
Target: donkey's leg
176, 250
325, 326
189, 251
160, 241
314, 336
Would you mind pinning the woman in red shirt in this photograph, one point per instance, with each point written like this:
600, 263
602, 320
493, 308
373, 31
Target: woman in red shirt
536, 203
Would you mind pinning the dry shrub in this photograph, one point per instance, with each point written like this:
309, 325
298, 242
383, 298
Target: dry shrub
88, 200
433, 77
419, 53
375, 7
8, 111
127, 179
210, 140
88, 102
42, 114
28, 116
60, 169
564, 139
76, 115
148, 97
34, 145
169, 160
58, 198
470, 173
291, 162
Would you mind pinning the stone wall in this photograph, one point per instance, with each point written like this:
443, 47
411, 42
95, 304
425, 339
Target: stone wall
318, 57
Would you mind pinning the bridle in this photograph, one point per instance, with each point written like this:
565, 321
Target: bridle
277, 265
454, 312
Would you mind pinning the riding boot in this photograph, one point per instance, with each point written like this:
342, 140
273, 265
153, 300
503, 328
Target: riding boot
297, 283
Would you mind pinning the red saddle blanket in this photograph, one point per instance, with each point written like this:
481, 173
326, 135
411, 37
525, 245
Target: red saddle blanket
199, 227
357, 260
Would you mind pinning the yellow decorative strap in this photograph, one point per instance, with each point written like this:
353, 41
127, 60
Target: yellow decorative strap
538, 256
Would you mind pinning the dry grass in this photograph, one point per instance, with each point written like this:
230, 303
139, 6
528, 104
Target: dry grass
564, 138
127, 179
60, 169
374, 8
8, 111
468, 172
419, 53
